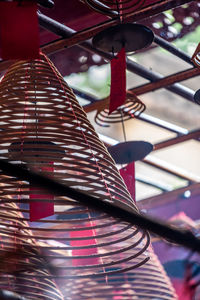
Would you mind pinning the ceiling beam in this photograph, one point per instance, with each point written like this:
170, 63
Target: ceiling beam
168, 197
167, 81
162, 124
155, 184
179, 139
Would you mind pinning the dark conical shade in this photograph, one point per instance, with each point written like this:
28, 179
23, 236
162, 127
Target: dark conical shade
124, 153
197, 97
132, 36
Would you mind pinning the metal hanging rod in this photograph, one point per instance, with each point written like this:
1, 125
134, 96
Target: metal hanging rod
149, 182
182, 237
172, 49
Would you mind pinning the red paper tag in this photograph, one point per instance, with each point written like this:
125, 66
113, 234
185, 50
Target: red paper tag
118, 81
19, 32
40, 210
128, 174
81, 252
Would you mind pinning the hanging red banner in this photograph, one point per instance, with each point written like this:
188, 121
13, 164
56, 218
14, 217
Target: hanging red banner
41, 209
128, 174
118, 81
19, 31
84, 242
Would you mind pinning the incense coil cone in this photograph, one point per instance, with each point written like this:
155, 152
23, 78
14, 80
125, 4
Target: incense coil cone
150, 281
196, 56
23, 269
112, 7
45, 129
133, 107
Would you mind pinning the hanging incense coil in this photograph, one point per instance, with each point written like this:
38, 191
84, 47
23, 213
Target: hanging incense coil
133, 107
23, 269
45, 129
196, 56
196, 60
114, 7
147, 282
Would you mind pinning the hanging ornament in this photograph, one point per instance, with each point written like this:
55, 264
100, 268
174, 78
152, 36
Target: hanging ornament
45, 129
133, 107
19, 30
196, 56
118, 81
196, 60
112, 7
128, 175
23, 268
38, 149
197, 97
121, 39
126, 152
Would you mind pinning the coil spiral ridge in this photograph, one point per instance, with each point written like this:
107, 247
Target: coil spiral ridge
45, 129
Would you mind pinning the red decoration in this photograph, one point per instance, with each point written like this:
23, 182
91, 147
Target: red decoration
128, 174
118, 81
40, 210
19, 33
84, 242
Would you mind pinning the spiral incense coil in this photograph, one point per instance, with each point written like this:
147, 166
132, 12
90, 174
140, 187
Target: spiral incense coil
22, 266
147, 282
196, 56
133, 107
45, 129
115, 7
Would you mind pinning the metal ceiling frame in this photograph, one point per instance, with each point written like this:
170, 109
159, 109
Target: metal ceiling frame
70, 38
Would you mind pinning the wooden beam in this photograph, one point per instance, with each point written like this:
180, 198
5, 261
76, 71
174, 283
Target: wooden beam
168, 197
166, 81
179, 139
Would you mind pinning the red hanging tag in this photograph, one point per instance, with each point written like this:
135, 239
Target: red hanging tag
40, 210
118, 81
128, 174
121, 11
84, 252
19, 32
